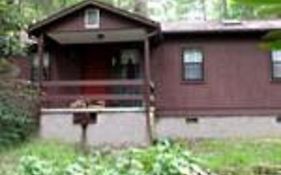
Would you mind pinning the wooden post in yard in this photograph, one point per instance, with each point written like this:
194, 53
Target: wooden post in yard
84, 127
147, 88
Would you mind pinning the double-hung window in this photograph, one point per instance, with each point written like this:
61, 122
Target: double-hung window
193, 65
276, 64
92, 18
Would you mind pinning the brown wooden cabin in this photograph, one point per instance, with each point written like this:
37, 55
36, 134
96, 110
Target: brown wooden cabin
113, 58
107, 61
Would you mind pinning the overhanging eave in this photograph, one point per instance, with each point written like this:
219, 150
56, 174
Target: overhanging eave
103, 36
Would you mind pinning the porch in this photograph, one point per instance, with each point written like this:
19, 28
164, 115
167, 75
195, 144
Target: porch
108, 83
102, 71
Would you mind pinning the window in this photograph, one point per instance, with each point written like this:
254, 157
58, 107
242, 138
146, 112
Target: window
46, 66
192, 65
92, 18
276, 64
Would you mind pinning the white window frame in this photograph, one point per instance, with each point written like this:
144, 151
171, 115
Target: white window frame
86, 19
186, 60
275, 59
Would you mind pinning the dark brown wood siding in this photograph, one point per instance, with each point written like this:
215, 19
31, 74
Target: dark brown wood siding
237, 79
75, 22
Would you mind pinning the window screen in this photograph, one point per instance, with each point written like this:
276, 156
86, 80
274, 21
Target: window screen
192, 64
92, 18
276, 64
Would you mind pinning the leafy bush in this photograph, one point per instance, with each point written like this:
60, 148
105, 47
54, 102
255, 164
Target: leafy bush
18, 111
164, 158
8, 69
4, 66
34, 166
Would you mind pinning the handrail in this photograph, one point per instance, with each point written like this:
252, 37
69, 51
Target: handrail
91, 97
75, 83
65, 97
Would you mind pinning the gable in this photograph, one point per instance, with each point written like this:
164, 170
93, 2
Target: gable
107, 20
73, 19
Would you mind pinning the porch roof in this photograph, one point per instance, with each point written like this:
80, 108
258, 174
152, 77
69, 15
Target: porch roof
98, 36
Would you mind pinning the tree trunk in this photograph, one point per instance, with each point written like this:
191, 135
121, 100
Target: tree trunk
140, 7
20, 6
204, 10
224, 12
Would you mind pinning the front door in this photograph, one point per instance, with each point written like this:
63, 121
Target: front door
96, 66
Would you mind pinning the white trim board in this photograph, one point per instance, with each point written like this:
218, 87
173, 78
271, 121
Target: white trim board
98, 110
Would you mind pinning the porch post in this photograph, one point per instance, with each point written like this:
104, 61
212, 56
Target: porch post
147, 80
40, 52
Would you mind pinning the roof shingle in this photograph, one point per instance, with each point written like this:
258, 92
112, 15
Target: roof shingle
216, 26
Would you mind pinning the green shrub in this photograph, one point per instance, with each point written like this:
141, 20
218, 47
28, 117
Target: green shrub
8, 70
81, 166
164, 158
18, 111
5, 66
34, 166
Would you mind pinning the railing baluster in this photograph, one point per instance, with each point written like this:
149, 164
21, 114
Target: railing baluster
61, 96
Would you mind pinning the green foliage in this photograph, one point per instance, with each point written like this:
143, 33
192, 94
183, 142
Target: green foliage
224, 156
11, 22
34, 166
268, 9
165, 158
241, 11
59, 154
238, 156
18, 108
81, 166
4, 66
264, 9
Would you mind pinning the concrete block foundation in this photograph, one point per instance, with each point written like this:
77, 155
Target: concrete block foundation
117, 129
219, 127
128, 128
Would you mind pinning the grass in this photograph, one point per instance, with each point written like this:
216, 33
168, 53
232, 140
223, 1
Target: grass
59, 153
222, 156
241, 156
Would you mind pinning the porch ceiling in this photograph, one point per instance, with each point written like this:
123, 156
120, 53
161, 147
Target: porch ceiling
91, 37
